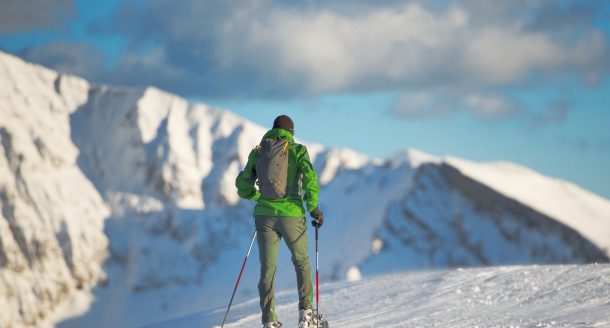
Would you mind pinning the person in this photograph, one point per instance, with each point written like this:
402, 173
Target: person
281, 214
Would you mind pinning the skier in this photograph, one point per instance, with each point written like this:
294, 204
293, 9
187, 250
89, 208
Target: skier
283, 171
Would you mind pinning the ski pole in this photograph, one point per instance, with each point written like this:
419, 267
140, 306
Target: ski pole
238, 279
317, 283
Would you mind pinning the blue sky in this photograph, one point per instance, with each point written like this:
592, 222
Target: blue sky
525, 81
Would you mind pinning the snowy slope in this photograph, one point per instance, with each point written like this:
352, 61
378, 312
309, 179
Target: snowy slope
575, 207
154, 174
515, 296
450, 219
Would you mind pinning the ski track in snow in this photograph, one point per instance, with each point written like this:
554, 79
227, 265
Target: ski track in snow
511, 296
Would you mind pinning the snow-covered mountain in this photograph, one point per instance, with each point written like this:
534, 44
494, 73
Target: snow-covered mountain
145, 180
451, 218
51, 224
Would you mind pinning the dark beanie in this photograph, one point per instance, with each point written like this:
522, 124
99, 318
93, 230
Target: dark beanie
284, 122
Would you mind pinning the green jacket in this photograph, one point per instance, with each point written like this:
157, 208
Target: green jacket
300, 174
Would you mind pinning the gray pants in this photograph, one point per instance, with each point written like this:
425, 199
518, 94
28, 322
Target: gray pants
294, 231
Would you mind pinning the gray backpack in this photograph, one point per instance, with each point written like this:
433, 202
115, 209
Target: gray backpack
272, 168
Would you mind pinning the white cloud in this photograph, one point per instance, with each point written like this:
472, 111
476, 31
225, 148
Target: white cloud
332, 51
423, 104
435, 55
396, 46
490, 106
441, 102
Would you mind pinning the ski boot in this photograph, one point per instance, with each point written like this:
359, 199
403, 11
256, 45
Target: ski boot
272, 325
308, 318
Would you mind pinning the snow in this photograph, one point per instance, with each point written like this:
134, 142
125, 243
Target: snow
51, 219
148, 177
510, 296
415, 157
338, 159
448, 219
353, 274
577, 208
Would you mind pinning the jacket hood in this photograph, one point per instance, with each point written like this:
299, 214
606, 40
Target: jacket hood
278, 133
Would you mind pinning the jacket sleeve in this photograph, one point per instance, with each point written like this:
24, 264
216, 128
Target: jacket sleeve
310, 178
246, 179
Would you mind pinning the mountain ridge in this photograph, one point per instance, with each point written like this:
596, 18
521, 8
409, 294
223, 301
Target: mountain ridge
161, 170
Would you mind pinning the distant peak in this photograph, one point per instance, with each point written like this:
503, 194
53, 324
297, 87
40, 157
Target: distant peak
415, 157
